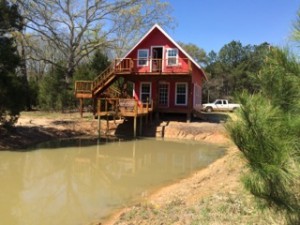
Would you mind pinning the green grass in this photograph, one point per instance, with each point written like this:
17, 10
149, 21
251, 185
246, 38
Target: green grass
219, 209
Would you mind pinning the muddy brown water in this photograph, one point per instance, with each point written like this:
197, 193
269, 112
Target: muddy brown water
84, 183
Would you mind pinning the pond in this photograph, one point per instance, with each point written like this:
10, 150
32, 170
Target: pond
84, 182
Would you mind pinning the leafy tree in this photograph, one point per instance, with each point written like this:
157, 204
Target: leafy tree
267, 133
99, 62
50, 98
72, 30
11, 88
232, 54
90, 70
232, 69
198, 54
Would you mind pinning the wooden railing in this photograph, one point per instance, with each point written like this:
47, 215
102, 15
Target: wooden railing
83, 86
123, 106
171, 65
103, 78
128, 65
124, 65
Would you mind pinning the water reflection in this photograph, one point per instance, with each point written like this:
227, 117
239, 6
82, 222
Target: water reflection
78, 185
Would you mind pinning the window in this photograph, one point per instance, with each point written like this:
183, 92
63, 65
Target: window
143, 57
145, 92
181, 94
163, 94
172, 57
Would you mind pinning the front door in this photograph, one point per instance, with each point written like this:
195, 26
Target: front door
157, 59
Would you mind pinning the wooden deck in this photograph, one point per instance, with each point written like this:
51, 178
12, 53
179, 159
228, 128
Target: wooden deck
123, 107
127, 67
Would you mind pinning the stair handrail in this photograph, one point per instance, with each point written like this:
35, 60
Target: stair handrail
100, 79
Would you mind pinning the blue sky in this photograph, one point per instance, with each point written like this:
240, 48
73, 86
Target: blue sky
210, 24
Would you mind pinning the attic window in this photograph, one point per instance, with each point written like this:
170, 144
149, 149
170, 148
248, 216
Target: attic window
172, 56
143, 57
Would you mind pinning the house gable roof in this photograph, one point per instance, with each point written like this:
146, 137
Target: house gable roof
156, 26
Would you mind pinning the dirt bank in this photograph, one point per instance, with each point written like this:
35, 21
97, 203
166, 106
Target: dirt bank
35, 127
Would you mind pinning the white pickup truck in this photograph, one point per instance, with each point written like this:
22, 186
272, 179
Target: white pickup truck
220, 105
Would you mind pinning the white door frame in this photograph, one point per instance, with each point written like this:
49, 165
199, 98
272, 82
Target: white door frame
163, 56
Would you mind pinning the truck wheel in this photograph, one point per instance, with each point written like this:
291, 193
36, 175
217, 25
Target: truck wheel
209, 109
233, 109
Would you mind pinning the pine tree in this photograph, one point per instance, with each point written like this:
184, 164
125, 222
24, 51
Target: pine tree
11, 88
267, 133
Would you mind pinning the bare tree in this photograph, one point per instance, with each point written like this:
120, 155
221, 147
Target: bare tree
74, 29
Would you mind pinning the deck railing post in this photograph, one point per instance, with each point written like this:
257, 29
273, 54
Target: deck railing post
131, 64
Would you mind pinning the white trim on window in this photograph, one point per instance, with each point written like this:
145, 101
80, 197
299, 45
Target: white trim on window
142, 97
181, 93
143, 58
172, 57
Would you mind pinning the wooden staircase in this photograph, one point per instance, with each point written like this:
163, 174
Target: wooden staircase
92, 89
89, 89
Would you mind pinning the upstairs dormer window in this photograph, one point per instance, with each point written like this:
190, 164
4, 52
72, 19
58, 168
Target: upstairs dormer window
172, 56
143, 55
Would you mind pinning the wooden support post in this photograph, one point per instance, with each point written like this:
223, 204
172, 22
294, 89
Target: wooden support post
134, 127
99, 117
98, 106
106, 111
114, 110
188, 117
99, 126
151, 116
107, 123
141, 125
81, 107
135, 118
147, 114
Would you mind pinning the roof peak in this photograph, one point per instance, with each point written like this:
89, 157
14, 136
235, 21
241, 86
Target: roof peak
156, 25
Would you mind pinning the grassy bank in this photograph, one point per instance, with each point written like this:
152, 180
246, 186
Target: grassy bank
233, 208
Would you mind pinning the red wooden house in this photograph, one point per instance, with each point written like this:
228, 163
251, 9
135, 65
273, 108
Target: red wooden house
160, 70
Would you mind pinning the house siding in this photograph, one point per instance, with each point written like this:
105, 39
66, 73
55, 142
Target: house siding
156, 38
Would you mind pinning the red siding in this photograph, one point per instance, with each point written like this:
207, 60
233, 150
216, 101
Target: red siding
170, 73
197, 75
157, 39
172, 92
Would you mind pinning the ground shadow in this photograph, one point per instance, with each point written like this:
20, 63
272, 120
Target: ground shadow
213, 117
157, 126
